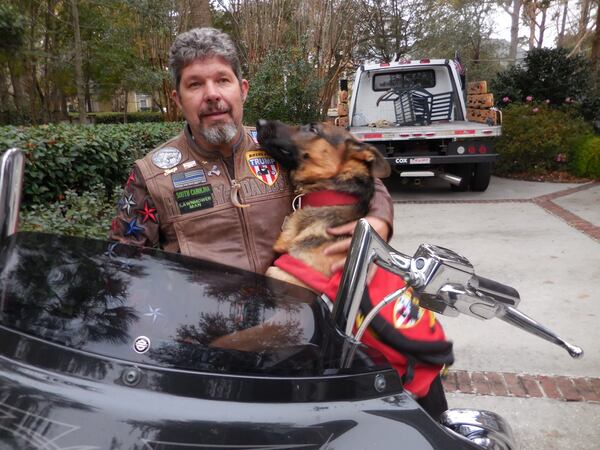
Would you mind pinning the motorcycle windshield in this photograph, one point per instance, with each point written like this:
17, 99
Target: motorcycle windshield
152, 307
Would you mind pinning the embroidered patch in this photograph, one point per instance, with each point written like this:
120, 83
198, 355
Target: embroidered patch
263, 166
214, 171
133, 229
126, 203
147, 213
194, 199
189, 164
166, 157
407, 311
188, 179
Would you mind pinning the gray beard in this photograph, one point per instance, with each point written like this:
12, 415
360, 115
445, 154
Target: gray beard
219, 134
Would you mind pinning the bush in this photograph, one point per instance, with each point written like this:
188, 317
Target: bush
546, 74
117, 117
72, 157
586, 158
537, 139
88, 214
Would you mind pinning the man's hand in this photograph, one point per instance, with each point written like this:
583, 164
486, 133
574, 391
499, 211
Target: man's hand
379, 225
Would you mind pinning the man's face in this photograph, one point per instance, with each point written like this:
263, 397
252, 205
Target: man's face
211, 99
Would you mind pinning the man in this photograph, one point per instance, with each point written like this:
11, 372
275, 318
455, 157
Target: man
211, 192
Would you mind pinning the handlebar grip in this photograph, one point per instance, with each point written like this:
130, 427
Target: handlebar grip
498, 291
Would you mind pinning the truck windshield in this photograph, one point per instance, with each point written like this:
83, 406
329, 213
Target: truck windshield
409, 79
164, 309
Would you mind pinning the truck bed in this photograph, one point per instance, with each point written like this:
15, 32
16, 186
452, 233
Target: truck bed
455, 129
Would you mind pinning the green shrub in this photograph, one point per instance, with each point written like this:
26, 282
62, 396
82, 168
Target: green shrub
586, 158
87, 214
117, 117
536, 138
63, 157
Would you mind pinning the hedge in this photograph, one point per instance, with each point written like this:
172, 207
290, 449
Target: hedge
117, 117
537, 138
72, 157
586, 158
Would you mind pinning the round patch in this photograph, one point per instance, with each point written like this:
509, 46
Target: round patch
407, 311
141, 344
167, 157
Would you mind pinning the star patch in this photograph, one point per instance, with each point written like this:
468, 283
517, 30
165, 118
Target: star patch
147, 213
127, 202
166, 157
154, 313
114, 226
263, 166
133, 229
131, 179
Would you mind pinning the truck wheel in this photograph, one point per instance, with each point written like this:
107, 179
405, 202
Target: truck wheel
465, 172
481, 177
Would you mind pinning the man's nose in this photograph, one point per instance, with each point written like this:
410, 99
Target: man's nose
213, 94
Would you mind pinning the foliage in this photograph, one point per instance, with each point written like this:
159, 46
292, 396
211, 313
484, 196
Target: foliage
117, 117
88, 214
12, 29
285, 87
537, 138
63, 157
546, 74
586, 158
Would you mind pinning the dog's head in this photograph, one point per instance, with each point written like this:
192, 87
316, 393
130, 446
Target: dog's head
320, 151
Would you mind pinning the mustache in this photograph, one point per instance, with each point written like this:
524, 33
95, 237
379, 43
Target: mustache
218, 108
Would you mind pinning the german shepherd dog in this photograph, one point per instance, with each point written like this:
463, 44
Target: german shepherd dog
321, 158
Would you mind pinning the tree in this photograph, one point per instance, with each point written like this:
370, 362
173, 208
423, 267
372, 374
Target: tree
79, 64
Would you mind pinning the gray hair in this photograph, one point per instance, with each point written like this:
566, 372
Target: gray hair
199, 43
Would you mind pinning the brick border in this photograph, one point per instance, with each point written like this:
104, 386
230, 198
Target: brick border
543, 201
506, 384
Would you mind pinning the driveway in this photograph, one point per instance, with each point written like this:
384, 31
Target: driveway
544, 240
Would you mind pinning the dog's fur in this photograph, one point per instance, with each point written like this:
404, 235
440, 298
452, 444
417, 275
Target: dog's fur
320, 157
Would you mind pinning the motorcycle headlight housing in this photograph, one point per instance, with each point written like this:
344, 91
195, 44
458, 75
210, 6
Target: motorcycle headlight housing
484, 428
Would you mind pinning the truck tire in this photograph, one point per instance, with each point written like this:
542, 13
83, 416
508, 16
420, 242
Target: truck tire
481, 177
465, 172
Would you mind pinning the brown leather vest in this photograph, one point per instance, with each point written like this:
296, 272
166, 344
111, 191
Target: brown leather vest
197, 215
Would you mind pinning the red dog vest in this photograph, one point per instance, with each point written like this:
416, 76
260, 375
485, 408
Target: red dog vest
409, 336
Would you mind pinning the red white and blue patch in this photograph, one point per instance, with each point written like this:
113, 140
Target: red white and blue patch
263, 166
189, 178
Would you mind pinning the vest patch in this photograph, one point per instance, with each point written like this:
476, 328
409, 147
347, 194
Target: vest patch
188, 179
166, 157
194, 199
407, 312
263, 166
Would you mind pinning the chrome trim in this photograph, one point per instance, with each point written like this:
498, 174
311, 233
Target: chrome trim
11, 182
484, 428
444, 282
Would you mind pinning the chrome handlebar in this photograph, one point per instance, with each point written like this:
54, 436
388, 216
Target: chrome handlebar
444, 282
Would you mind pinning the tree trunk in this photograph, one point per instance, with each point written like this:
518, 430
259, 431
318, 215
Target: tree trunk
595, 55
515, 16
16, 80
79, 64
542, 27
199, 14
561, 35
4, 96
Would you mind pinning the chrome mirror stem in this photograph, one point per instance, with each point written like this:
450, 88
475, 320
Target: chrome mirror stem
11, 181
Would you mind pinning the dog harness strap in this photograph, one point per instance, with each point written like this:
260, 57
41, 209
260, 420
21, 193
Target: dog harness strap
328, 198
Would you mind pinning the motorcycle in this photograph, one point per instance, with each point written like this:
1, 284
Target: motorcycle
105, 345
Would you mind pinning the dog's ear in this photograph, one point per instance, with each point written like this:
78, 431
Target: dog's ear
368, 153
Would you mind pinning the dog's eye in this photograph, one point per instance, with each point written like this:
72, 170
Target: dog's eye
313, 129
305, 156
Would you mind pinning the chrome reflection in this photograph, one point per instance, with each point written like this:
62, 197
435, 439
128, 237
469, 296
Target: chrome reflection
484, 428
11, 180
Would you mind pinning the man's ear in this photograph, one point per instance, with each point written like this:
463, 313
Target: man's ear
366, 152
245, 87
175, 97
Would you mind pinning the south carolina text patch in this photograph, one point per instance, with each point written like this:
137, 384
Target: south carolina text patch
194, 199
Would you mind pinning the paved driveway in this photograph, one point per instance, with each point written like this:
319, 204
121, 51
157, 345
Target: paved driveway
544, 240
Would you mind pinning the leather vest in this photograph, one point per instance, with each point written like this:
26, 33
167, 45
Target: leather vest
194, 202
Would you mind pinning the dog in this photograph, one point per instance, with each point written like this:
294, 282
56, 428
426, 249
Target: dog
334, 176
330, 165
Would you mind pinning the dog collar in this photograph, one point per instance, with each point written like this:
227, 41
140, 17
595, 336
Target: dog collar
326, 198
